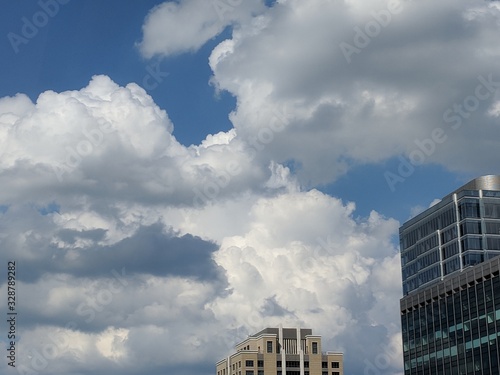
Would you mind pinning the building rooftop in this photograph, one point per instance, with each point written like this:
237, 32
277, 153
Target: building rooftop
288, 333
488, 182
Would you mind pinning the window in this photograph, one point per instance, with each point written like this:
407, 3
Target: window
249, 372
324, 365
493, 227
450, 249
260, 372
468, 208
449, 234
260, 363
335, 373
451, 265
493, 243
315, 347
472, 243
269, 346
492, 210
239, 364
335, 364
278, 364
447, 217
472, 259
248, 363
470, 227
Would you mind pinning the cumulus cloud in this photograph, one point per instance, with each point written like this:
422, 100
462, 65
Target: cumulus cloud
174, 27
131, 245
105, 141
373, 100
305, 259
292, 257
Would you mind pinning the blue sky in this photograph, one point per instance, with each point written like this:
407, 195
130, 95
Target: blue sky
65, 53
206, 149
62, 56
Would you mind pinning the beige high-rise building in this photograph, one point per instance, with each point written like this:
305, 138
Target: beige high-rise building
281, 351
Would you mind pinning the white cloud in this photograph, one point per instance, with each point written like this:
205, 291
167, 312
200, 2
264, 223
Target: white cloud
175, 27
269, 250
291, 257
110, 343
395, 90
318, 265
321, 103
110, 141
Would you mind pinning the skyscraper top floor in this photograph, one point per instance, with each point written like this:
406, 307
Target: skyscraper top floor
461, 230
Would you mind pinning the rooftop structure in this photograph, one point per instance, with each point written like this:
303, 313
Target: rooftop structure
280, 351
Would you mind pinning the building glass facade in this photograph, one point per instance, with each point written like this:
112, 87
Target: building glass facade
460, 231
450, 311
456, 332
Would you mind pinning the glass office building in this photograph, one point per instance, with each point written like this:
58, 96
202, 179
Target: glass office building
450, 308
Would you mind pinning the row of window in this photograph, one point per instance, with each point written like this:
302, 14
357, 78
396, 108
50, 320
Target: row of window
451, 249
261, 372
438, 221
471, 243
446, 332
470, 208
307, 373
467, 208
419, 249
289, 364
421, 278
475, 257
247, 372
334, 364
418, 273
476, 243
249, 363
422, 262
466, 228
452, 351
451, 265
269, 348
469, 193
